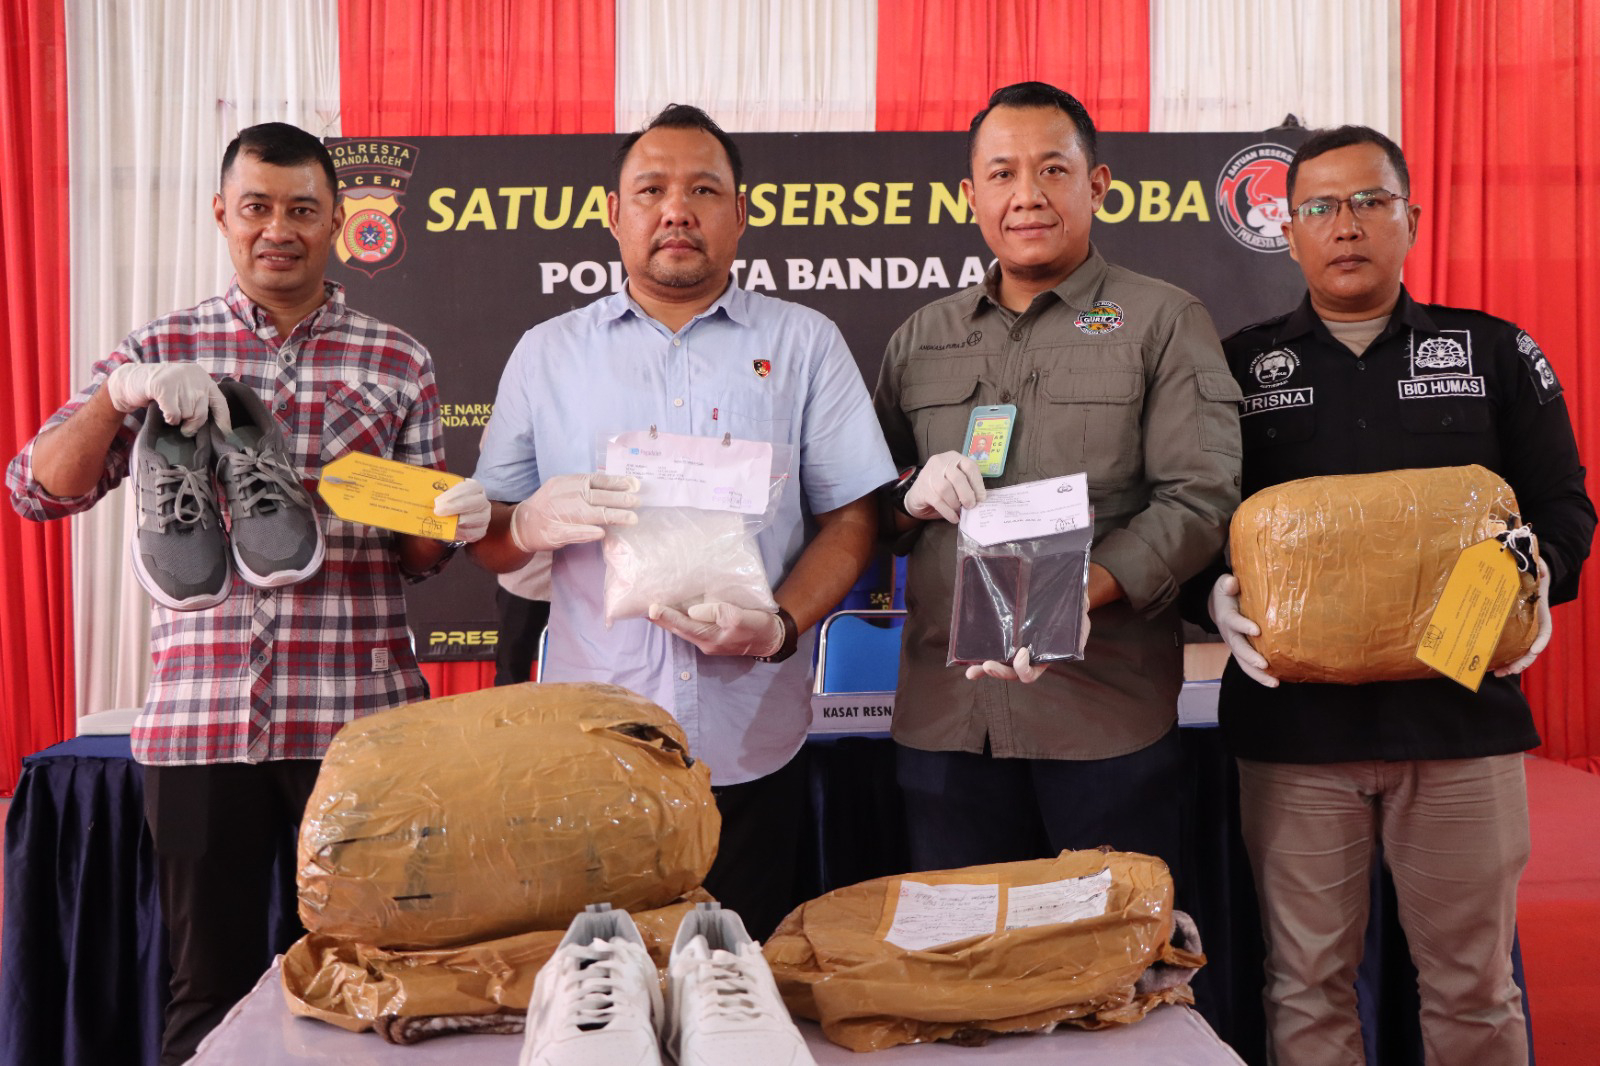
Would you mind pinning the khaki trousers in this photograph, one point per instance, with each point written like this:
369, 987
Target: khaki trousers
1455, 839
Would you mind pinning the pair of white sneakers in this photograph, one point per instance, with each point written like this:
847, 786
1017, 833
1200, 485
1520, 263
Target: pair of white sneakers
598, 1001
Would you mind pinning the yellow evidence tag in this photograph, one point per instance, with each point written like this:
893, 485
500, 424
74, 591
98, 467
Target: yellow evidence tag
387, 494
1472, 610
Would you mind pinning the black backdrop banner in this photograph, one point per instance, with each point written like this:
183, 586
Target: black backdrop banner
466, 242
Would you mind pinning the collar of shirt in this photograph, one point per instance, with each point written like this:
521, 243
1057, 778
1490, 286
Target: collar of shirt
256, 319
734, 303
1407, 314
1077, 290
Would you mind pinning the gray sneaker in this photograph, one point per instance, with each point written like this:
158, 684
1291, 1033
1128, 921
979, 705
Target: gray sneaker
277, 539
180, 552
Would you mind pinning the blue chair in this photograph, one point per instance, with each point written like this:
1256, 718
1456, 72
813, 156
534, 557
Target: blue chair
859, 651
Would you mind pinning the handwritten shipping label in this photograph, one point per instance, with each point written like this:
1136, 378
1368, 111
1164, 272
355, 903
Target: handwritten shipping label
387, 494
1030, 510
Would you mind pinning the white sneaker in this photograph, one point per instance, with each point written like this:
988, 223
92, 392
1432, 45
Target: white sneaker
723, 1007
597, 1002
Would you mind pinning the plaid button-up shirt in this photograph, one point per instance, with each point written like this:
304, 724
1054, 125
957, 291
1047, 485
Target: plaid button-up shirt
274, 673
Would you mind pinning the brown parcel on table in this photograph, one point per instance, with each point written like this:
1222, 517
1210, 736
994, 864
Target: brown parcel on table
1342, 572
488, 814
832, 963
354, 985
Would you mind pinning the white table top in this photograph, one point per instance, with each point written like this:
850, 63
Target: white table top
261, 1031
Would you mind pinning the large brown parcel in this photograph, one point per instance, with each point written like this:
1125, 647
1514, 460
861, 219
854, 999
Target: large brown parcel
834, 960
497, 812
1342, 572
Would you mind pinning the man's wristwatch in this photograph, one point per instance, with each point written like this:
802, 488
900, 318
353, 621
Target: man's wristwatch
791, 640
907, 477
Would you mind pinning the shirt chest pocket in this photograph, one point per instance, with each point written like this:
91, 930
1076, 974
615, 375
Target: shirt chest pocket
360, 416
1275, 427
749, 416
939, 411
1448, 431
1091, 420
1455, 415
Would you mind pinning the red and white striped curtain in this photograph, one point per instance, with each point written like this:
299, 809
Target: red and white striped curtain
1495, 106
36, 675
1502, 133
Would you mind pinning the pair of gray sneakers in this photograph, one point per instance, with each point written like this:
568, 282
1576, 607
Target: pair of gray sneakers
186, 548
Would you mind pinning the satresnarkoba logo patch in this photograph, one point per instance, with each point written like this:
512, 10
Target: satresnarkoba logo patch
1253, 196
1274, 368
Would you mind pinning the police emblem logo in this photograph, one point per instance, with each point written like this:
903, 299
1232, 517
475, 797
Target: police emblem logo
1441, 353
1253, 196
369, 236
373, 176
1271, 369
763, 367
1103, 317
1547, 377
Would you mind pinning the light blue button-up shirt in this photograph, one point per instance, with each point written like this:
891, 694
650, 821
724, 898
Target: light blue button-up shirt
608, 368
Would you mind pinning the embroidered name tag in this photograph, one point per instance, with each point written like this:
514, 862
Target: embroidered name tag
1257, 402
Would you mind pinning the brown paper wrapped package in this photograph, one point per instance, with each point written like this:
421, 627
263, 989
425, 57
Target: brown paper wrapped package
492, 813
353, 985
1342, 573
832, 964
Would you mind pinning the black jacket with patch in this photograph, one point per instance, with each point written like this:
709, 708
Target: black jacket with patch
1439, 386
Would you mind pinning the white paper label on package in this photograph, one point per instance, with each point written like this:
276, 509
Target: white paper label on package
1030, 510
711, 473
928, 915
1070, 900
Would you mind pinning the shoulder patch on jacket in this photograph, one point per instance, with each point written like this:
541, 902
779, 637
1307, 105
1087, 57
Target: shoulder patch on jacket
1539, 370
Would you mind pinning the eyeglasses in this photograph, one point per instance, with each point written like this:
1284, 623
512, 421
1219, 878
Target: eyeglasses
1369, 205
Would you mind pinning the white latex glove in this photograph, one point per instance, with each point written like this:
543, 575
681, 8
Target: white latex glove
1020, 668
573, 509
1235, 627
946, 483
1543, 638
470, 504
722, 628
185, 393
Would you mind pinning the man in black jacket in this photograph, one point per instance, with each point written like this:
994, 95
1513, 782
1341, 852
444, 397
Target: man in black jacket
1361, 378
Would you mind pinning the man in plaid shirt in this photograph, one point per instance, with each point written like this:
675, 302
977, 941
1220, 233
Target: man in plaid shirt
246, 695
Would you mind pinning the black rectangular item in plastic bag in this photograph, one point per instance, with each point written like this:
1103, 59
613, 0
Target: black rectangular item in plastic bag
988, 588
1020, 594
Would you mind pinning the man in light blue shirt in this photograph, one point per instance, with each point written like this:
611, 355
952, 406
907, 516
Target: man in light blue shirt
684, 349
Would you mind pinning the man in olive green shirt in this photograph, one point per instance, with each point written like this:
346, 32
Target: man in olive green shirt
1113, 374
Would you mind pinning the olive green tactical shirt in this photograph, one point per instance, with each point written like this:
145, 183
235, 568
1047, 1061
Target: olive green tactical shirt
1113, 374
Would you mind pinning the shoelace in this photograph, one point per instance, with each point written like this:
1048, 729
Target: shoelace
730, 987
189, 493
591, 985
261, 479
